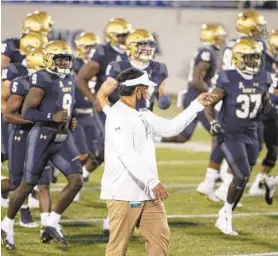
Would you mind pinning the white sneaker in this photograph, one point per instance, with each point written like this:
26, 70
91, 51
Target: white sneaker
224, 223
4, 202
205, 189
270, 182
77, 197
33, 202
255, 190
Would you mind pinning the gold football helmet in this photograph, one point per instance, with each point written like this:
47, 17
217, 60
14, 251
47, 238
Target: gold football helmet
85, 42
32, 23
140, 44
247, 55
251, 23
57, 56
31, 41
272, 44
116, 32
34, 60
46, 19
213, 34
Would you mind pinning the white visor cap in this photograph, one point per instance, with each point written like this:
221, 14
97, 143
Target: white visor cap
142, 80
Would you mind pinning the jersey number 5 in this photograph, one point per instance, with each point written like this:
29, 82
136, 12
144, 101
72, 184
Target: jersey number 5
246, 100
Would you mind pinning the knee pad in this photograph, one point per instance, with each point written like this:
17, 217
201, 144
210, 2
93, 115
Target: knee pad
271, 156
241, 181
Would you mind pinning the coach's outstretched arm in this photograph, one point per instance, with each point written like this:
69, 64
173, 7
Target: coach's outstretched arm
169, 128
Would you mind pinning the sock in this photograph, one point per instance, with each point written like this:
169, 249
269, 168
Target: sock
24, 206
53, 219
211, 176
44, 217
276, 179
228, 207
7, 224
105, 224
259, 178
86, 174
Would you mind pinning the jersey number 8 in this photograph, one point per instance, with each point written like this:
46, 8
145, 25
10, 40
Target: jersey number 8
246, 100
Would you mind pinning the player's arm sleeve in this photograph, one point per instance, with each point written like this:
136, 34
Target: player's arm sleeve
33, 99
98, 54
5, 49
163, 71
17, 88
122, 139
167, 128
9, 73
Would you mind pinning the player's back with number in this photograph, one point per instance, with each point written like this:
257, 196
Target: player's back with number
59, 91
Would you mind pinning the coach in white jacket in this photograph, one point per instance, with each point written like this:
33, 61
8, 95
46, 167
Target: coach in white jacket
130, 181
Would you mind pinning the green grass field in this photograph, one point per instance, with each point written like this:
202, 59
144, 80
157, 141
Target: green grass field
192, 234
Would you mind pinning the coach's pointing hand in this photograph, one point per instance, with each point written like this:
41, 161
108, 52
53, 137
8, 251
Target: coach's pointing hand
160, 192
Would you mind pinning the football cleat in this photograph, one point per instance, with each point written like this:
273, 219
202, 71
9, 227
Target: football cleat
256, 190
224, 223
26, 219
45, 236
56, 233
33, 202
270, 182
8, 239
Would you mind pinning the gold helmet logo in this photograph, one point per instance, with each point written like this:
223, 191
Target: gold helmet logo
140, 44
57, 56
213, 34
247, 55
272, 44
251, 23
32, 41
34, 60
32, 23
116, 32
47, 22
85, 42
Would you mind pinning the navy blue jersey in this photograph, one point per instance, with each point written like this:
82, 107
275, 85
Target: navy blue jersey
10, 48
20, 86
205, 54
156, 71
59, 91
242, 102
104, 54
13, 70
81, 100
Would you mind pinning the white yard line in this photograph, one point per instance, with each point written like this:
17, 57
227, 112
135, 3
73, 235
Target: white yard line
253, 254
185, 216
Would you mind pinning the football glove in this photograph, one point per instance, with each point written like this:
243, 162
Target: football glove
215, 128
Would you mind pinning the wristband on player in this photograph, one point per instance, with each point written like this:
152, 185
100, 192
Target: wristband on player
36, 115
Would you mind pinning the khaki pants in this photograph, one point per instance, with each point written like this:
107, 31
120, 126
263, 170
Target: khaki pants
151, 220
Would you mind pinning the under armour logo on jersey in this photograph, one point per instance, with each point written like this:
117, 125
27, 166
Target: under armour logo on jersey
118, 58
18, 138
117, 128
241, 86
61, 84
43, 137
256, 84
48, 115
70, 82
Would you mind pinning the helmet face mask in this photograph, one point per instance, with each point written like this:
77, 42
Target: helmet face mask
247, 56
121, 39
146, 50
62, 63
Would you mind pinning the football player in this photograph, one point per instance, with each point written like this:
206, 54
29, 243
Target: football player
17, 140
49, 105
270, 125
116, 32
248, 24
202, 69
10, 52
84, 134
244, 92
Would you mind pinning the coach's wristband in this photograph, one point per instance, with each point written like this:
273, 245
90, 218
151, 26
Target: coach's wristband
36, 115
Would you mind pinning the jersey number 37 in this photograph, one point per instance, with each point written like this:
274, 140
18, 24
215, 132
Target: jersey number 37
246, 110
